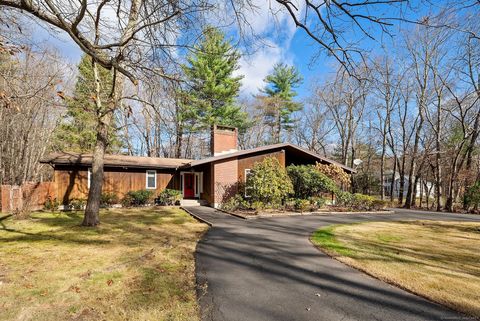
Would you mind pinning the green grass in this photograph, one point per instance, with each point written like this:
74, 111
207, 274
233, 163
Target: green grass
326, 237
137, 265
438, 260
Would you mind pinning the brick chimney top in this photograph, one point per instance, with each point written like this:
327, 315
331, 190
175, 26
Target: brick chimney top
224, 140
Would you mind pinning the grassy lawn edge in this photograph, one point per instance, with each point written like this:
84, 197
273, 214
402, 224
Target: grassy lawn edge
325, 240
137, 264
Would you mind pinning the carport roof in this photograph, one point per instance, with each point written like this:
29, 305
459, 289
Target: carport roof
286, 146
67, 158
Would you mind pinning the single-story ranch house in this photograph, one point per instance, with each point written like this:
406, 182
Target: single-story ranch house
213, 179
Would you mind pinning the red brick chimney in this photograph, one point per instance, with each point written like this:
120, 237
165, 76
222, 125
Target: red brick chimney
223, 140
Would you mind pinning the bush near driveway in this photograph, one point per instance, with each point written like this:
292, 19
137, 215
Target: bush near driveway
137, 265
359, 202
335, 173
168, 197
108, 199
269, 183
137, 198
308, 181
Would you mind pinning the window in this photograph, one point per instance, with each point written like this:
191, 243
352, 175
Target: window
89, 176
198, 183
197, 192
151, 179
248, 185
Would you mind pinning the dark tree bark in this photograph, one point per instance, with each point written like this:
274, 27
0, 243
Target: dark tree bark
91, 217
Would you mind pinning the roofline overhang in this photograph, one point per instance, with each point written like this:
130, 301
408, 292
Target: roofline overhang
263, 149
111, 166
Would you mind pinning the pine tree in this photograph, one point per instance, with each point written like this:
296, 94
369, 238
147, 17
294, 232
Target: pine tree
278, 102
211, 88
77, 130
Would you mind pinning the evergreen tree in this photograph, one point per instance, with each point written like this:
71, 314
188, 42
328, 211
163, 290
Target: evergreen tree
210, 97
278, 101
77, 130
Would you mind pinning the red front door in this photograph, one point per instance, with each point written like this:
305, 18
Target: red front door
188, 185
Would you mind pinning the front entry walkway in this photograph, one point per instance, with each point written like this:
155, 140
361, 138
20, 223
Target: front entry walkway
267, 269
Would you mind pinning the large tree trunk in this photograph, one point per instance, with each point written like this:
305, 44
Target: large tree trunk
104, 122
91, 217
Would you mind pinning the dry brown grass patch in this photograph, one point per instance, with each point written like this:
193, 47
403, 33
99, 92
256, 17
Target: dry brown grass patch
437, 260
137, 265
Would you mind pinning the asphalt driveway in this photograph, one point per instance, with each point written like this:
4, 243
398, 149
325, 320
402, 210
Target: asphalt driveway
267, 269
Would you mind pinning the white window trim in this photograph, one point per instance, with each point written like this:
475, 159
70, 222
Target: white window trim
247, 171
147, 172
89, 177
198, 184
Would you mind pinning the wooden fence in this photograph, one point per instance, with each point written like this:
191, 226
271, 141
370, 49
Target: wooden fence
30, 196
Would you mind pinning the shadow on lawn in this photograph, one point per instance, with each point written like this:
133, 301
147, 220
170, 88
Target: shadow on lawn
131, 224
277, 251
394, 250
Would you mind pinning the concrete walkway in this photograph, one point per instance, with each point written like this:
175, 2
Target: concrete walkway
267, 269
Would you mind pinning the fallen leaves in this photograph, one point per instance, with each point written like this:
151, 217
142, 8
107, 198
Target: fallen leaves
74, 288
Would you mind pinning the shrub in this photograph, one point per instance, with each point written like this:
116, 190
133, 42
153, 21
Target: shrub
334, 172
367, 183
302, 205
344, 199
236, 202
316, 202
137, 198
363, 202
109, 199
258, 205
289, 203
308, 181
359, 201
379, 204
169, 197
51, 204
77, 204
472, 196
269, 183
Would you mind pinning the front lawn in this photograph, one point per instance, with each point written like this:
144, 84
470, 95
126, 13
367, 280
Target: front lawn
137, 265
437, 260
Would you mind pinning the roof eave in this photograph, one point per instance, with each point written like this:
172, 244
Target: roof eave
113, 165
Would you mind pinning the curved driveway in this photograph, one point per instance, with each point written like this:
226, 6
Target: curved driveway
267, 269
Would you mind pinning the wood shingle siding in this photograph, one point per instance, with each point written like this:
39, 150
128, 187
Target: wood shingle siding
72, 182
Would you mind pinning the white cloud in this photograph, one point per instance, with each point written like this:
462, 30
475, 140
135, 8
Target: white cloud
274, 24
257, 66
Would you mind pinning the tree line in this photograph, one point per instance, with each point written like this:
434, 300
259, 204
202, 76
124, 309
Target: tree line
412, 110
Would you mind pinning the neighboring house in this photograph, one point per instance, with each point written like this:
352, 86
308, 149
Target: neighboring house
213, 179
424, 188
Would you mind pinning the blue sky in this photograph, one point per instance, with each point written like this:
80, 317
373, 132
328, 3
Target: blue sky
284, 43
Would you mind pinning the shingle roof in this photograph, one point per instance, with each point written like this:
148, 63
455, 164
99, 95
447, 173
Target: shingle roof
159, 162
115, 160
264, 149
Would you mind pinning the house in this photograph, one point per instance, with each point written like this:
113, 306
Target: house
213, 179
423, 187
